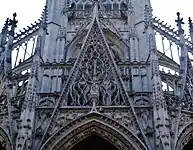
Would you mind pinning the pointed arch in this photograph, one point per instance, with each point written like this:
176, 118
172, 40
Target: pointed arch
5, 140
184, 136
94, 124
99, 66
94, 142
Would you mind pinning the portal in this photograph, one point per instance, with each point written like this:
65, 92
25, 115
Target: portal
2, 147
94, 142
189, 146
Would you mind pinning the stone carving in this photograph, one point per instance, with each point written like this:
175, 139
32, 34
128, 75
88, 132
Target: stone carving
145, 120
141, 100
47, 101
185, 119
94, 69
93, 127
3, 105
41, 122
4, 140
123, 118
66, 117
92, 55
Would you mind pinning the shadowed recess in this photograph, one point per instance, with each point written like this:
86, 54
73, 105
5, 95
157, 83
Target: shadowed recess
2, 147
189, 146
94, 143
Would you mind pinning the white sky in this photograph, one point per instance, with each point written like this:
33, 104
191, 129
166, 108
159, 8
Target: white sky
30, 10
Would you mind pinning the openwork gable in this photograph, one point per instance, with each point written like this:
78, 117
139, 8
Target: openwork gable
95, 73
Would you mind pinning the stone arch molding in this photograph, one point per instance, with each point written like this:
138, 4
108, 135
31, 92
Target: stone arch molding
184, 137
5, 139
97, 124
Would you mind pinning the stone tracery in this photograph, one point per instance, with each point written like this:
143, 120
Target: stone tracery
112, 68
93, 123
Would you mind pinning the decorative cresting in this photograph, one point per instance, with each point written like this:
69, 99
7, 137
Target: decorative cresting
5, 140
97, 124
184, 136
87, 4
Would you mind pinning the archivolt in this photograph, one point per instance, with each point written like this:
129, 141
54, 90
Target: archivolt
185, 136
93, 123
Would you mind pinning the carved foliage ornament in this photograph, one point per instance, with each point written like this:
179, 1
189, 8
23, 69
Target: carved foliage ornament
93, 123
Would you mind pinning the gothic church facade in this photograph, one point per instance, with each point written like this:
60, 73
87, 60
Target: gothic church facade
87, 76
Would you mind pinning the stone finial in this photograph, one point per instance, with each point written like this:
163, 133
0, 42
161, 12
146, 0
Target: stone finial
5, 27
179, 22
3, 34
13, 23
190, 25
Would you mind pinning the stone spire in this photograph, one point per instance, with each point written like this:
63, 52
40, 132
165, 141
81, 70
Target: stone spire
62, 33
53, 11
4, 32
159, 103
24, 138
3, 37
148, 17
179, 22
8, 69
133, 39
183, 57
162, 130
191, 28
52, 14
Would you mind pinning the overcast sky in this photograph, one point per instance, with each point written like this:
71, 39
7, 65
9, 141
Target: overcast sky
30, 10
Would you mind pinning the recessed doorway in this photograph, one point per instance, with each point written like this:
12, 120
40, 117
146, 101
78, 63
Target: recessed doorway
189, 146
2, 147
94, 142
